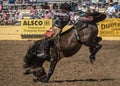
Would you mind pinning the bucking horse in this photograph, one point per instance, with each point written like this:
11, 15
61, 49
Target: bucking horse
68, 44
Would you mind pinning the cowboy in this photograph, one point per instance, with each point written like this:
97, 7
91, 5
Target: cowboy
61, 19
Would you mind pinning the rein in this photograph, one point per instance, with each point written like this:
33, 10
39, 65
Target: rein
83, 26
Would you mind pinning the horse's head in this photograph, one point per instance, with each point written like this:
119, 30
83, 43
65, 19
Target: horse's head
28, 58
28, 61
33, 65
34, 57
32, 54
31, 62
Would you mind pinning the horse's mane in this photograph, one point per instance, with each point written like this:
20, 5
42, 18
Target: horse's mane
36, 45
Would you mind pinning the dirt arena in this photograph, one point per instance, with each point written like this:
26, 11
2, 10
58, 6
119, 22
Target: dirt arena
74, 71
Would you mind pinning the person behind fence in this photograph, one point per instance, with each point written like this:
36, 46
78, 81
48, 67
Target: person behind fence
110, 11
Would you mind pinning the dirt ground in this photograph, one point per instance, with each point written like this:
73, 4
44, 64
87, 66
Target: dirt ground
74, 71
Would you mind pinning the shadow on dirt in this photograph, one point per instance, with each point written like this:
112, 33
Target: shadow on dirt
83, 80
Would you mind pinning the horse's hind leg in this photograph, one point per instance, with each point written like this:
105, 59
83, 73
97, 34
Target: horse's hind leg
98, 39
95, 49
93, 52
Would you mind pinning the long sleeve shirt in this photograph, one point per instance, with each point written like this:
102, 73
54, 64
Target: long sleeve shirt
62, 16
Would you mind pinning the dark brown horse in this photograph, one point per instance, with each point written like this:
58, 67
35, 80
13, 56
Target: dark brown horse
67, 45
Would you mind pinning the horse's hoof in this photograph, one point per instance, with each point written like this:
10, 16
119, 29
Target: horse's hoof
26, 72
92, 59
25, 66
36, 80
39, 80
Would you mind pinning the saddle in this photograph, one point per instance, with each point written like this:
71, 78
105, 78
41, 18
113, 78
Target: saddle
54, 31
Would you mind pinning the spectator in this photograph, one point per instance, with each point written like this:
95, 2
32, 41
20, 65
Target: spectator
73, 6
4, 18
47, 14
117, 9
11, 20
55, 6
0, 8
18, 16
4, 15
110, 11
94, 8
1, 5
117, 14
34, 12
84, 8
116, 6
41, 13
79, 7
45, 6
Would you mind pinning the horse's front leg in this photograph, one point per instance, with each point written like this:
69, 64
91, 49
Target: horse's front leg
51, 69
